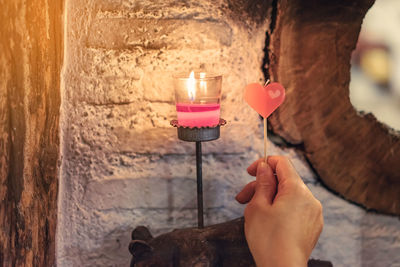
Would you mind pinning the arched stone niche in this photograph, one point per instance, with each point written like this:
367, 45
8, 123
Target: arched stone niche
353, 154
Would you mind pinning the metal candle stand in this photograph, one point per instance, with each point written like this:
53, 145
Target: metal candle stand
198, 135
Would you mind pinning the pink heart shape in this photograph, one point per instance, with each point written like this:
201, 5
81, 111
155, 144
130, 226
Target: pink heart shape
266, 99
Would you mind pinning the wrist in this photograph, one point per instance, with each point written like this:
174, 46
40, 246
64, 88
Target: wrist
282, 258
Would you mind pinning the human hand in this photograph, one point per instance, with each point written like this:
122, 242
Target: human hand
283, 220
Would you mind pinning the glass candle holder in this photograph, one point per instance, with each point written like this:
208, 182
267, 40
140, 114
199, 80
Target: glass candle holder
198, 97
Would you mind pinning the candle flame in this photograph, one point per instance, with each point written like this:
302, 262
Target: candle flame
191, 86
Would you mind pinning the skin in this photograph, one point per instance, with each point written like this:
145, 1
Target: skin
283, 220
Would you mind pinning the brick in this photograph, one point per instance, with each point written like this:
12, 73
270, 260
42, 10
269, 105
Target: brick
155, 34
150, 193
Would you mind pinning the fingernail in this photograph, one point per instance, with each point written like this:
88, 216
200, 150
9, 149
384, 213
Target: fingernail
262, 168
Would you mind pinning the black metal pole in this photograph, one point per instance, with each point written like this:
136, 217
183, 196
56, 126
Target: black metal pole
200, 219
198, 135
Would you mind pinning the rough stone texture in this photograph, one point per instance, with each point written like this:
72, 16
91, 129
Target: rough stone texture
30, 66
123, 165
122, 162
354, 237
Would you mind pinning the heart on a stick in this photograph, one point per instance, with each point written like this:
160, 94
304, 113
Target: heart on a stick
265, 99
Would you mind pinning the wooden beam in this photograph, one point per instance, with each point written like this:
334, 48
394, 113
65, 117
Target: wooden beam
31, 49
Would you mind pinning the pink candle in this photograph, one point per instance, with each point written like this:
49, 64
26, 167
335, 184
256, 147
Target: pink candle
198, 115
197, 99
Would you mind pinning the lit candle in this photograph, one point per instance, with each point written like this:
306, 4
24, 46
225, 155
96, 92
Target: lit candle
198, 99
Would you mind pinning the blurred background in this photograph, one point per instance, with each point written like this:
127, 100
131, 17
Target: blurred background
375, 71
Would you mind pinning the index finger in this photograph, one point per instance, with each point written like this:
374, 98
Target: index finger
280, 165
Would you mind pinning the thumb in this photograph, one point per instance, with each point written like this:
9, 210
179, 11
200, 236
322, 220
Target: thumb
265, 183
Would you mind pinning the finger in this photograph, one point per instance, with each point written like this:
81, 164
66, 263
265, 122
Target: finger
252, 169
247, 193
283, 168
265, 188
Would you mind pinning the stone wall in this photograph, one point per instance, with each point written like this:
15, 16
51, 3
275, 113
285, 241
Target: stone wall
122, 164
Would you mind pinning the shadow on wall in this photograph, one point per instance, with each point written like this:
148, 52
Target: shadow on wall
380, 241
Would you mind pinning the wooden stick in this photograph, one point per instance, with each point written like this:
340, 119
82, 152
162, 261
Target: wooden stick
265, 139
265, 130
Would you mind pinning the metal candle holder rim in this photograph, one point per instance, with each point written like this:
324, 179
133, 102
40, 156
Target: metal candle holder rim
175, 123
198, 134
